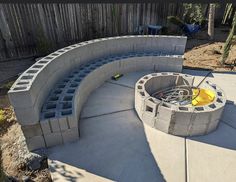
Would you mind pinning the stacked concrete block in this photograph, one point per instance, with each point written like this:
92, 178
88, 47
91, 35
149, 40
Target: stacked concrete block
59, 130
34, 136
140, 96
164, 117
176, 119
150, 111
43, 92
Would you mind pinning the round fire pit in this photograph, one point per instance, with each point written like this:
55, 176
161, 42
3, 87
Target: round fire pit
167, 102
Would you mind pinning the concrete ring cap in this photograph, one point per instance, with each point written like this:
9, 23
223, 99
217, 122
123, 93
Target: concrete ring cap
176, 119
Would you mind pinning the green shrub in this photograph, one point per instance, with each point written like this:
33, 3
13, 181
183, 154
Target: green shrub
175, 20
193, 13
2, 116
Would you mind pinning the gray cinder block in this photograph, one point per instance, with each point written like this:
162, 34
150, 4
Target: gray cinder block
32, 130
70, 135
64, 125
35, 142
54, 123
53, 139
45, 125
162, 125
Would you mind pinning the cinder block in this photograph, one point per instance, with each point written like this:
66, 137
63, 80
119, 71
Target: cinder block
53, 139
148, 119
143, 63
32, 130
35, 142
180, 129
217, 113
165, 112
70, 135
45, 125
162, 125
183, 116
49, 106
198, 129
72, 121
212, 126
179, 49
150, 106
201, 117
139, 100
27, 116
63, 123
162, 67
54, 125
21, 97
127, 65
139, 44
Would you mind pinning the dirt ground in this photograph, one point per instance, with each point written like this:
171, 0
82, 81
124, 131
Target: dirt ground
13, 148
208, 56
200, 53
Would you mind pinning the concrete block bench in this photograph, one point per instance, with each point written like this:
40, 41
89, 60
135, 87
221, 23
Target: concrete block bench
48, 97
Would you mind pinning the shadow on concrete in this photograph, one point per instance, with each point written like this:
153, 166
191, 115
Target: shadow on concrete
194, 72
225, 134
68, 175
112, 146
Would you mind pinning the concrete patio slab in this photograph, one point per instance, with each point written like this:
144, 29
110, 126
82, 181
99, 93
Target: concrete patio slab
212, 157
110, 146
116, 146
229, 115
169, 153
107, 99
130, 79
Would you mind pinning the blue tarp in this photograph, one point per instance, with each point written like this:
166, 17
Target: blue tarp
190, 29
154, 29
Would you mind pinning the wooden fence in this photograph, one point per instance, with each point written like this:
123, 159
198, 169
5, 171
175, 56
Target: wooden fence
32, 29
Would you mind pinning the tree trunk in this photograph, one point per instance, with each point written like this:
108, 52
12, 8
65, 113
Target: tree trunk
229, 41
211, 21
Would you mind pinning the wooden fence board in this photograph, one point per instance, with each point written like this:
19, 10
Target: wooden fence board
32, 29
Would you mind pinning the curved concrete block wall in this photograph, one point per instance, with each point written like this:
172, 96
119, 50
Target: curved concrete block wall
176, 119
104, 57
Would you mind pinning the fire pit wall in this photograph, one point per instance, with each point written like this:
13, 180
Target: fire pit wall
174, 119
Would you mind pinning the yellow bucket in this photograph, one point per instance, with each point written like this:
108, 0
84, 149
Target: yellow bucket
203, 98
